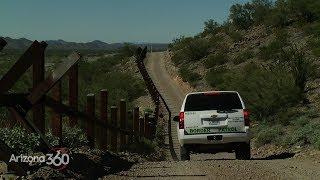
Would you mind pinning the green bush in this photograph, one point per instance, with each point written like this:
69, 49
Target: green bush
241, 15
216, 59
73, 137
210, 27
314, 44
267, 135
235, 36
180, 43
264, 91
313, 29
214, 77
248, 14
244, 56
197, 49
186, 51
279, 15
18, 139
301, 68
179, 57
271, 50
188, 75
308, 134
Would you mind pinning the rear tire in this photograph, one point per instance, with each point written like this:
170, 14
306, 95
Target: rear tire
184, 153
243, 152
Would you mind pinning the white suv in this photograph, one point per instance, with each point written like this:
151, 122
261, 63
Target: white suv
211, 122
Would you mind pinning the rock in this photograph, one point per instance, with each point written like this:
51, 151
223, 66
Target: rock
3, 167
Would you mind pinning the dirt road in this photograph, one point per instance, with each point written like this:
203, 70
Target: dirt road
220, 166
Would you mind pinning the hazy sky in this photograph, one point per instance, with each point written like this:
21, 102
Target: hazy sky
109, 20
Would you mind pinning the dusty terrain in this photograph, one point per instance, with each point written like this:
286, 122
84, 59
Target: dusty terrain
219, 166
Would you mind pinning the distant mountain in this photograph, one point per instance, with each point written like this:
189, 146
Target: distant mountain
23, 43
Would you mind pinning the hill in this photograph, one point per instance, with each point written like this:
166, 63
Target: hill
23, 43
269, 52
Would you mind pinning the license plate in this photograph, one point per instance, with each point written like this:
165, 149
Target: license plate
213, 123
214, 138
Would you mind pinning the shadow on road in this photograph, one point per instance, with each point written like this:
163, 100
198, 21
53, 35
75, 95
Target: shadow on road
285, 155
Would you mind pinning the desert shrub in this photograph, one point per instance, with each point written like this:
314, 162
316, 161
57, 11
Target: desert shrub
266, 135
260, 8
53, 140
286, 116
197, 49
188, 50
265, 91
279, 15
241, 15
216, 59
308, 134
214, 77
73, 137
243, 56
314, 44
18, 139
235, 36
248, 14
180, 43
300, 67
90, 81
210, 27
179, 57
188, 75
313, 29
127, 50
304, 10
270, 51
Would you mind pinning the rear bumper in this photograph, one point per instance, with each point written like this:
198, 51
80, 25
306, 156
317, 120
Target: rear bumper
227, 138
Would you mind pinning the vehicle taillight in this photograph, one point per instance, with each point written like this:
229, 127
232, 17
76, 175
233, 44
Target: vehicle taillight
246, 117
181, 120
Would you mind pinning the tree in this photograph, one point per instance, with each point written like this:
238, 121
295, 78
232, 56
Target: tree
241, 15
279, 15
210, 27
260, 8
305, 10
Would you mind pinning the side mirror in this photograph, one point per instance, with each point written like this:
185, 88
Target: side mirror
176, 118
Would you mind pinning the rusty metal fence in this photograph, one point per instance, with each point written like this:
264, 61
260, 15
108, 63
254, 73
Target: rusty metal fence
107, 130
160, 104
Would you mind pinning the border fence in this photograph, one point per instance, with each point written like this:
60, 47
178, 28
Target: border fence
108, 130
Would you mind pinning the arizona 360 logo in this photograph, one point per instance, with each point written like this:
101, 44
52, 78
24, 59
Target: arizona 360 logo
58, 158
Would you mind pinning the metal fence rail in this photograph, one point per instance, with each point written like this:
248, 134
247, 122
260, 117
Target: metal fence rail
157, 98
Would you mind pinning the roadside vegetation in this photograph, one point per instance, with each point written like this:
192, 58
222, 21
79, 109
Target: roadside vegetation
268, 51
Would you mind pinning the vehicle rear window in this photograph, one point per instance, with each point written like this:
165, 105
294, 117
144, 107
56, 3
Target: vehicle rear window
212, 101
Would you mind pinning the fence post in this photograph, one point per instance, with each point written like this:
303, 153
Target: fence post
141, 128
90, 122
146, 124
152, 127
103, 134
56, 121
114, 119
136, 123
123, 119
130, 127
73, 92
38, 76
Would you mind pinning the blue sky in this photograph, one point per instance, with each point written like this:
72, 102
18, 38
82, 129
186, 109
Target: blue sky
109, 20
